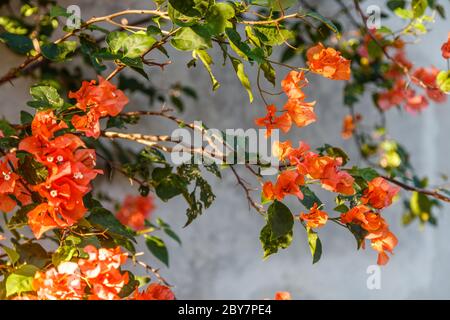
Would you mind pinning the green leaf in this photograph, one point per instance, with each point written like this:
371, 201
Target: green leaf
172, 234
207, 62
131, 45
242, 48
269, 72
105, 220
191, 8
191, 38
18, 43
443, 81
309, 198
315, 245
358, 232
171, 186
6, 128
394, 4
33, 253
404, 13
218, 16
115, 40
342, 208
275, 5
272, 244
63, 254
25, 117
58, 11
243, 78
419, 7
58, 52
367, 174
45, 97
273, 35
324, 20
12, 254
158, 248
21, 280
137, 44
280, 219
31, 170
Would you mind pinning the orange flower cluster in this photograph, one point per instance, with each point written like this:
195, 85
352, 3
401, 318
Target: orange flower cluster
295, 110
379, 193
349, 125
315, 218
96, 101
446, 48
154, 292
70, 169
382, 239
401, 94
135, 210
308, 164
96, 278
11, 185
328, 62
282, 295
69, 281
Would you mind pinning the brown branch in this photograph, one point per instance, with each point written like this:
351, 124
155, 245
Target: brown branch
13, 73
258, 207
430, 193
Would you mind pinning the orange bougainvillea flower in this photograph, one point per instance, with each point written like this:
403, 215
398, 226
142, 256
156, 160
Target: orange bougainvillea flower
135, 210
302, 113
379, 193
397, 69
349, 125
97, 100
293, 83
62, 283
7, 178
282, 295
43, 218
270, 121
45, 124
428, 77
102, 272
382, 239
281, 150
70, 170
325, 169
288, 182
446, 48
154, 292
415, 103
392, 97
328, 62
103, 97
88, 123
315, 218
382, 244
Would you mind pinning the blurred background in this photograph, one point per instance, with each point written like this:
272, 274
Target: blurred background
221, 257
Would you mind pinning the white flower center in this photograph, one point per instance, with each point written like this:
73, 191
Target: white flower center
53, 193
78, 175
50, 159
60, 158
6, 176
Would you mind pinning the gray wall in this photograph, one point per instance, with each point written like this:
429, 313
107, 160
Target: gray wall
221, 255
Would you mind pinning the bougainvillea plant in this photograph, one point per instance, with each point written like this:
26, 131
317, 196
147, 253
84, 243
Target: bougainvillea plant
63, 238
